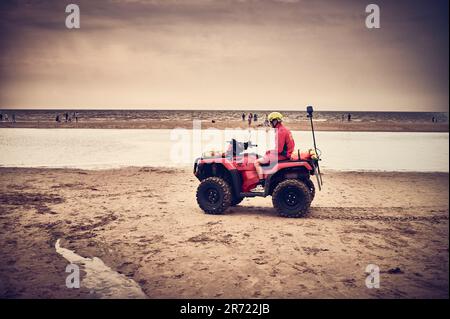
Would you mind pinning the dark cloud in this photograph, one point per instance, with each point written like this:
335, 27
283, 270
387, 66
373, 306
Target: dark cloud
290, 50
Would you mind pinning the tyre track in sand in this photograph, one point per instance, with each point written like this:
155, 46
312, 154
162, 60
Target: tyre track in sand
383, 214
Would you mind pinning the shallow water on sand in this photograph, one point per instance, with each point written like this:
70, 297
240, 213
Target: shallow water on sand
109, 148
101, 279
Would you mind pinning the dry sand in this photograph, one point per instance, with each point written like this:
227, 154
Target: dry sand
145, 224
363, 126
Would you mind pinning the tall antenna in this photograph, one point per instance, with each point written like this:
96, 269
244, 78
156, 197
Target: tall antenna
310, 110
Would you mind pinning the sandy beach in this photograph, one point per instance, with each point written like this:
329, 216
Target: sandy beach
144, 223
356, 126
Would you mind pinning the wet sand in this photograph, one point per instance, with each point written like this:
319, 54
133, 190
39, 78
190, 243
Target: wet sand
356, 126
145, 223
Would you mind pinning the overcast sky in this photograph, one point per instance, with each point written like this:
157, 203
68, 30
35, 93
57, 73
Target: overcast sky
225, 54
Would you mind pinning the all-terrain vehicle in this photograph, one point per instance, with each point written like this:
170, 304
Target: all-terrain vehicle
226, 178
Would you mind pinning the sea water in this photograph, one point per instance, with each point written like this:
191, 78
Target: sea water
114, 148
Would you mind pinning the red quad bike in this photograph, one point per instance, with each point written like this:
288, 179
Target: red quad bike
227, 178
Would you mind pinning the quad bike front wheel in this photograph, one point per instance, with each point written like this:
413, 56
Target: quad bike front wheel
214, 195
291, 198
236, 200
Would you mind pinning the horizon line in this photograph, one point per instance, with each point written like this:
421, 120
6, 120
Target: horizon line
208, 110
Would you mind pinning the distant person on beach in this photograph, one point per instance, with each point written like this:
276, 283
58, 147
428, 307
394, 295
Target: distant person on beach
266, 121
14, 117
76, 116
433, 119
6, 117
255, 117
67, 116
243, 117
250, 118
349, 117
1, 117
57, 118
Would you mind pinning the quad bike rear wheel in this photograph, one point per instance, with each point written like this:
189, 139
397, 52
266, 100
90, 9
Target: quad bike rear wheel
214, 195
312, 189
291, 198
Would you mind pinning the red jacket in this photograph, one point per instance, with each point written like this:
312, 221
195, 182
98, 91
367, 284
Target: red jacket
284, 142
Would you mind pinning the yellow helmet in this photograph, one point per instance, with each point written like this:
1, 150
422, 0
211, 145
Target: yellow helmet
275, 116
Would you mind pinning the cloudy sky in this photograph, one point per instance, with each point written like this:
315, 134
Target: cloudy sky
225, 54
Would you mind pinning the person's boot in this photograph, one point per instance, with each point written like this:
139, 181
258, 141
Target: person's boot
260, 187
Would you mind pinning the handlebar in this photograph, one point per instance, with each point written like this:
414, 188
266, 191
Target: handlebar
249, 144
244, 144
